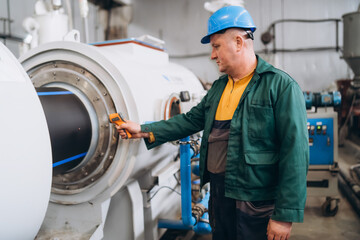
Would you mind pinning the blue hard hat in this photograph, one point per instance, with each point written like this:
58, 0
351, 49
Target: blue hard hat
228, 17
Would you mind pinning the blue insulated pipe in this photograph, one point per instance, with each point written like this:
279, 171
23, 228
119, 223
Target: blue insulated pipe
188, 221
185, 174
203, 227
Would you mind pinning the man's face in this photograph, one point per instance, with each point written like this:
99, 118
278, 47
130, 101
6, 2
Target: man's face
223, 50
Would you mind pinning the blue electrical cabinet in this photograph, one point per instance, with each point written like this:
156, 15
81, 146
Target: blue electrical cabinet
322, 124
321, 141
323, 165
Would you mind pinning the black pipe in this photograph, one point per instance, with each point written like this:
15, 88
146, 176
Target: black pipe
8, 15
345, 185
69, 127
273, 24
305, 20
11, 37
337, 36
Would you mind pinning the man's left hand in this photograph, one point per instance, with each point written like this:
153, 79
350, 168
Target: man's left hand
278, 230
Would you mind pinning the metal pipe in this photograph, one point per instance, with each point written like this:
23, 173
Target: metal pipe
203, 226
173, 224
185, 174
84, 11
188, 221
348, 192
196, 169
13, 38
337, 36
70, 14
86, 30
9, 19
273, 24
274, 39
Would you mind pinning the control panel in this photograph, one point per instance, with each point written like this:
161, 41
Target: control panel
321, 140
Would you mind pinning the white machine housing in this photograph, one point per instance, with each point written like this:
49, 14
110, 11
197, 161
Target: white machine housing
25, 162
111, 200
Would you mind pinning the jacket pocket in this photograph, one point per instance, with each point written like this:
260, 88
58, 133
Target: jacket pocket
261, 169
261, 122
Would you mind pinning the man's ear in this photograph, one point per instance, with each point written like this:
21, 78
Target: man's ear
239, 43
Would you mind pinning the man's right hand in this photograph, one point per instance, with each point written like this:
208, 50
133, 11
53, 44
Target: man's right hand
133, 128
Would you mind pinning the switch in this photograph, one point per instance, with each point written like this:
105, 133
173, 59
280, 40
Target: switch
184, 96
318, 129
324, 127
311, 141
312, 129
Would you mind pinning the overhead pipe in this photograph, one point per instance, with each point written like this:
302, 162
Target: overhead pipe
84, 11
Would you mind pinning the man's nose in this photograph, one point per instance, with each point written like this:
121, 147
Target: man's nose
213, 55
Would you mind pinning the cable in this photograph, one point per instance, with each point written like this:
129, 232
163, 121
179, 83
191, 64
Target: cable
172, 189
177, 180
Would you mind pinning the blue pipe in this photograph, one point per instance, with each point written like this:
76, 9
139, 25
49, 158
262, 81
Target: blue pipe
196, 169
69, 159
204, 227
188, 221
173, 224
191, 152
54, 93
185, 174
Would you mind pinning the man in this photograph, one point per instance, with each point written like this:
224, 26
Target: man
255, 145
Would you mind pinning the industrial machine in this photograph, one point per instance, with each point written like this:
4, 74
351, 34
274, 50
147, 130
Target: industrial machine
350, 124
25, 162
102, 187
349, 180
322, 179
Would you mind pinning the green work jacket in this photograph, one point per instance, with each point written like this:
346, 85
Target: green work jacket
268, 151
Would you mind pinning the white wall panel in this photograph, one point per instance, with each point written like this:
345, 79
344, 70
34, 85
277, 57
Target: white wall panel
182, 23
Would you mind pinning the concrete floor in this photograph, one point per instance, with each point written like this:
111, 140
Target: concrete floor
345, 225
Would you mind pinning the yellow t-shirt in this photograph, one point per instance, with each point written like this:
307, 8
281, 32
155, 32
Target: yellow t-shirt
231, 96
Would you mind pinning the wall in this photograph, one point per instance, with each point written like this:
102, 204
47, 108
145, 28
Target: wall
21, 9
182, 23
314, 70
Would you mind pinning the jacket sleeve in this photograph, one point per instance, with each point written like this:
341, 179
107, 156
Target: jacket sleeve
177, 127
291, 128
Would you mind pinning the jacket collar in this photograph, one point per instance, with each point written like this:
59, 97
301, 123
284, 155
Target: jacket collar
263, 66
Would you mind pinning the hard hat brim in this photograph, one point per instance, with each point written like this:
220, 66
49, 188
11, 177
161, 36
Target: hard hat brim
206, 39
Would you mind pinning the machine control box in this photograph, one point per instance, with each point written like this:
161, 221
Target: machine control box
321, 141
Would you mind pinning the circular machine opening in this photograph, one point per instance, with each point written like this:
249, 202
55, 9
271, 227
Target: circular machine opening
69, 127
76, 106
172, 107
